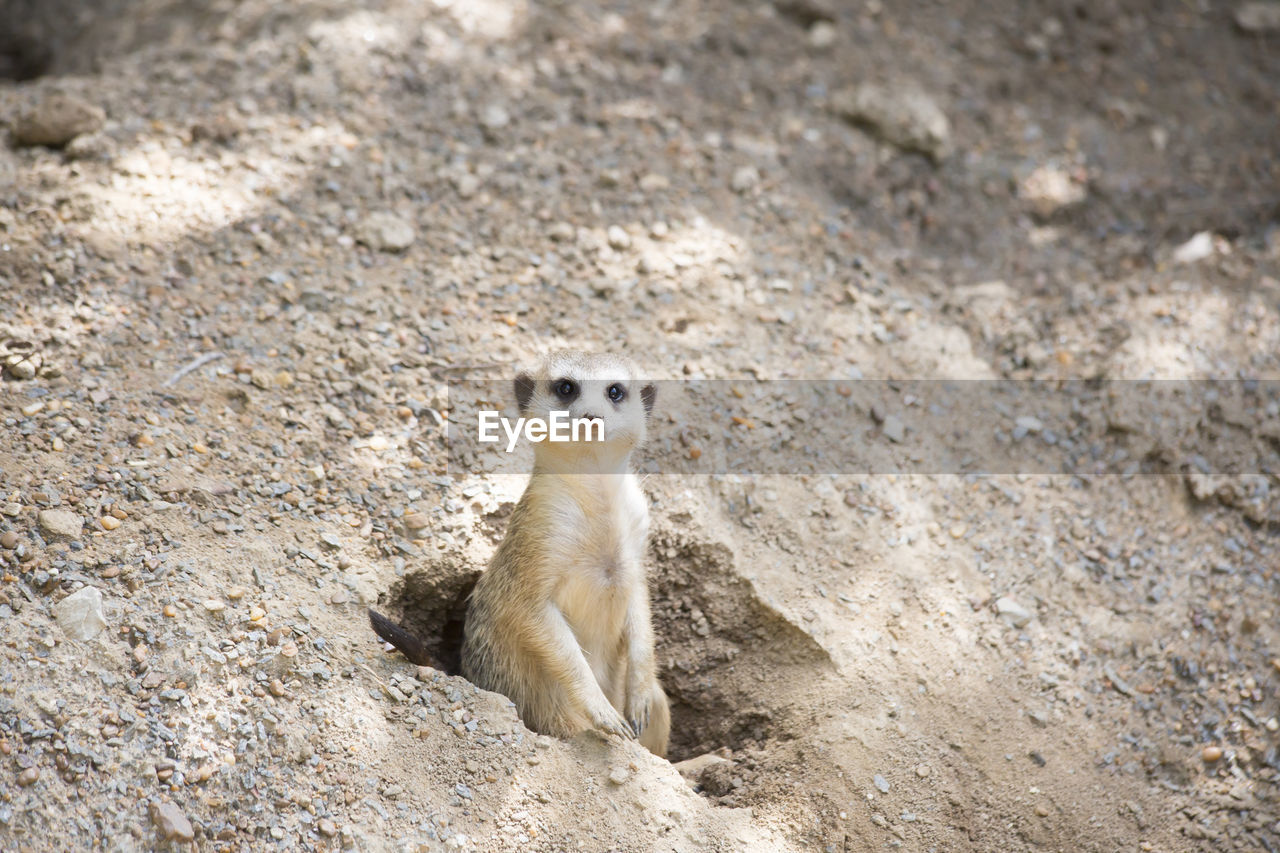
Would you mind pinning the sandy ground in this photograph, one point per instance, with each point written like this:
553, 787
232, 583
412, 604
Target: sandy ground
246, 247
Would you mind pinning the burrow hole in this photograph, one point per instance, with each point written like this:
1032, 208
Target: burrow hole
721, 651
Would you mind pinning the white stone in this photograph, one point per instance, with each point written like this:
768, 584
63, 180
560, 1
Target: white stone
1029, 423
1261, 17
1197, 248
618, 238
744, 179
467, 185
894, 429
495, 117
60, 524
822, 35
80, 614
386, 232
904, 116
1049, 189
691, 768
1012, 612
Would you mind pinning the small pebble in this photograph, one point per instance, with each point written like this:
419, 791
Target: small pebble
562, 232
28, 777
495, 117
109, 522
744, 179
171, 822
25, 369
822, 35
1196, 249
383, 231
80, 614
653, 182
9, 540
467, 185
1012, 612
618, 239
60, 524
1258, 17
894, 429
1211, 754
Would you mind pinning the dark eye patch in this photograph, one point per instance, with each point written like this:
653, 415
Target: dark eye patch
565, 389
616, 393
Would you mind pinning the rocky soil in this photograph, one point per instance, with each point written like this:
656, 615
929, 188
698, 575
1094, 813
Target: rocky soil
246, 247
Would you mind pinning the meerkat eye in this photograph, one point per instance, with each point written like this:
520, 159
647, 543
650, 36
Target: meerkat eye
616, 393
566, 389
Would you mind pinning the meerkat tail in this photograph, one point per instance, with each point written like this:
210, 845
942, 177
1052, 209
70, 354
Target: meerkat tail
409, 645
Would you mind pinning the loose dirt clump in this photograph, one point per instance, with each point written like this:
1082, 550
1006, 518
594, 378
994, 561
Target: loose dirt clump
727, 656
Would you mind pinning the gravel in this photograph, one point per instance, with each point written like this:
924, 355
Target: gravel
565, 174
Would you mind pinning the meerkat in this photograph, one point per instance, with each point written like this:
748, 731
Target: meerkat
560, 621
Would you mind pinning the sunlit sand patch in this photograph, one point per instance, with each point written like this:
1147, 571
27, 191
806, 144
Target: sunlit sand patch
155, 195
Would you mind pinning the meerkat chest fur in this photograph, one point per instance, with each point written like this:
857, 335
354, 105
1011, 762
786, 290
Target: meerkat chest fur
595, 542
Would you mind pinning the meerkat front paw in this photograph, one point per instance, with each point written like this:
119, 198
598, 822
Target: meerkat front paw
608, 720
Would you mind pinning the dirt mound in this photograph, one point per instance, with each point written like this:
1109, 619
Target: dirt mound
245, 249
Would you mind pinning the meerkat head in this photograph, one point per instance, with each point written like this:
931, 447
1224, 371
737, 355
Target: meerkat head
594, 387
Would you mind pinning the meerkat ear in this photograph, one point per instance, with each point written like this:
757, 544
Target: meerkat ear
524, 386
648, 394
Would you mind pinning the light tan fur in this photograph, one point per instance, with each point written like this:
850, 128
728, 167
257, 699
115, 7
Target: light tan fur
560, 621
